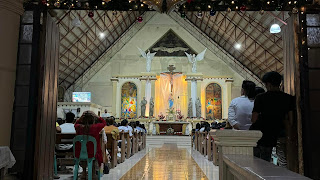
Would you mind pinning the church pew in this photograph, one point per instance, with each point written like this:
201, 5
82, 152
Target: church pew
139, 141
195, 140
128, 145
133, 147
144, 140
201, 143
112, 147
64, 139
123, 146
204, 140
209, 147
198, 141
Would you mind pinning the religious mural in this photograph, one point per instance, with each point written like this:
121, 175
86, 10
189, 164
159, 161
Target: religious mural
129, 100
213, 101
170, 44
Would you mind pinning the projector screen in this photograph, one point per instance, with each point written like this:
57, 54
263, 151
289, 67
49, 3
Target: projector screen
81, 97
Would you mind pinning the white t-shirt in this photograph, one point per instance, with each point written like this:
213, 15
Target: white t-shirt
105, 115
240, 112
66, 128
125, 129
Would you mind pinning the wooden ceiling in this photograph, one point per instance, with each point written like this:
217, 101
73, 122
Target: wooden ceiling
260, 50
82, 46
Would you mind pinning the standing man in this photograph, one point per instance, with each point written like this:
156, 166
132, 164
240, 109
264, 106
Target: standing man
105, 114
273, 108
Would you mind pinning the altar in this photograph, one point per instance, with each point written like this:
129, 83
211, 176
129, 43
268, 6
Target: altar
170, 128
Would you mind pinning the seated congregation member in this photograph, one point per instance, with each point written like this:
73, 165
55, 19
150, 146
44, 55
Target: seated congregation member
198, 127
240, 109
138, 129
67, 128
90, 124
270, 109
124, 127
110, 125
144, 130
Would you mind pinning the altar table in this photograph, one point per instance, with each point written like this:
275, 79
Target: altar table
179, 128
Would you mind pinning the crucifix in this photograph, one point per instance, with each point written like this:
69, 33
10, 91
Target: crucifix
170, 73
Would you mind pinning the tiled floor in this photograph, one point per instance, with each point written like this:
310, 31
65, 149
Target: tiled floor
167, 162
163, 162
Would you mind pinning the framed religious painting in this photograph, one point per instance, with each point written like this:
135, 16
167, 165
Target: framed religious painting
129, 100
213, 102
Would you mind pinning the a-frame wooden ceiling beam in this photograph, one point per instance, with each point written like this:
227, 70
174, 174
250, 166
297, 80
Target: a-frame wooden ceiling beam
135, 17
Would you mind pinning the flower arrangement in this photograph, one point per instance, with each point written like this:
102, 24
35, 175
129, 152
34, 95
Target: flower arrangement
161, 116
179, 115
170, 111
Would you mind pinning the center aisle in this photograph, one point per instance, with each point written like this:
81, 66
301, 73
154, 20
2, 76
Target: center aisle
167, 162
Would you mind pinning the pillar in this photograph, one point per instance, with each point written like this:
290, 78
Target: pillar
114, 97
229, 91
10, 12
153, 95
234, 142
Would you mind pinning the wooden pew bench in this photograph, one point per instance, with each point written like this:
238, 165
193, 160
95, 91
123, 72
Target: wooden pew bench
112, 147
64, 157
247, 167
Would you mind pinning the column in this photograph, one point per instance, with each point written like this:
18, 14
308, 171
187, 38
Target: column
194, 96
114, 97
10, 12
142, 94
154, 97
234, 142
229, 92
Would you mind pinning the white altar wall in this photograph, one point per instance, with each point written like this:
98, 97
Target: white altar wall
64, 107
128, 62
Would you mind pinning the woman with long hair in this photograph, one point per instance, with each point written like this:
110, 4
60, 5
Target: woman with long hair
90, 124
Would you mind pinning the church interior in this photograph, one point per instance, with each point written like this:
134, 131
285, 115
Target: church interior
155, 86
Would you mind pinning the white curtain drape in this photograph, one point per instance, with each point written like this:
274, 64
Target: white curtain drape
162, 93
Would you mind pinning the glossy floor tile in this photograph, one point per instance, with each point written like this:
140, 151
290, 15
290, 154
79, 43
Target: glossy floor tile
167, 162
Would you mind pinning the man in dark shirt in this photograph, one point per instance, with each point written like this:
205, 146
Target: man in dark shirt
271, 107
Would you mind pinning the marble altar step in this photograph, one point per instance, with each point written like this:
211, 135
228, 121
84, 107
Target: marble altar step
158, 141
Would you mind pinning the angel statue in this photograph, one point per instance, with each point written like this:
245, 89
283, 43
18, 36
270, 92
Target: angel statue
149, 56
193, 59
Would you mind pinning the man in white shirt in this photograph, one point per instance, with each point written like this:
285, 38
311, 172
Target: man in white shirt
105, 114
138, 129
67, 128
125, 128
240, 109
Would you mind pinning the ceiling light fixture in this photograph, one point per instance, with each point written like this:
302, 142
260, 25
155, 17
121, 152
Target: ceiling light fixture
237, 46
275, 28
102, 35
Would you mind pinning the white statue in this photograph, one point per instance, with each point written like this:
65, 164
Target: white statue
149, 56
151, 106
190, 113
198, 108
193, 59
